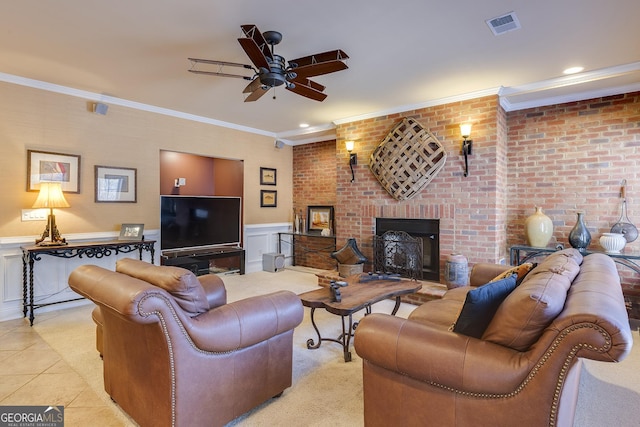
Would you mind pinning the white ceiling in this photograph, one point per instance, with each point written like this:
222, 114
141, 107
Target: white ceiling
403, 54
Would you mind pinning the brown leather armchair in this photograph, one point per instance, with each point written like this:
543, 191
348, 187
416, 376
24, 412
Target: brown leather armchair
419, 372
176, 354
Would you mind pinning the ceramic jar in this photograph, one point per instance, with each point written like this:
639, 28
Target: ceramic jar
538, 229
579, 236
456, 271
613, 243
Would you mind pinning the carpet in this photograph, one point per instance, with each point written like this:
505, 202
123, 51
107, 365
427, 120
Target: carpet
326, 390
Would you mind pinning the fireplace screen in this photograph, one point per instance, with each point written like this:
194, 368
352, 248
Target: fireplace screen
398, 252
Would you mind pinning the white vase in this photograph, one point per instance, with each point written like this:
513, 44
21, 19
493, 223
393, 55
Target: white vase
613, 243
538, 229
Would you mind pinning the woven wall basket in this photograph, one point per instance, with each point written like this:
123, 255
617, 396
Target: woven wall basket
407, 159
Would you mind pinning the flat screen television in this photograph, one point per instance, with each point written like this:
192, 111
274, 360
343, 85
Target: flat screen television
188, 222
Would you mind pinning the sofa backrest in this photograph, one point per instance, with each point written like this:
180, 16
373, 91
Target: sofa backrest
535, 303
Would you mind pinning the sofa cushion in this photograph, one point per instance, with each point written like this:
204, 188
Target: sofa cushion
481, 304
520, 270
181, 283
532, 306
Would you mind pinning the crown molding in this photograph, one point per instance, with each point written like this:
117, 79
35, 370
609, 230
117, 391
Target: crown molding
92, 96
427, 104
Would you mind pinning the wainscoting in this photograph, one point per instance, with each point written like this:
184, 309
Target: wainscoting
262, 239
51, 273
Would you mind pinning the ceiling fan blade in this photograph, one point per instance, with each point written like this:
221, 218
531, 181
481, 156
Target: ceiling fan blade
255, 46
254, 85
319, 64
256, 94
215, 62
310, 83
214, 73
308, 89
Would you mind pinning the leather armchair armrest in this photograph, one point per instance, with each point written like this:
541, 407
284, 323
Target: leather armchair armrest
433, 354
481, 273
214, 289
246, 322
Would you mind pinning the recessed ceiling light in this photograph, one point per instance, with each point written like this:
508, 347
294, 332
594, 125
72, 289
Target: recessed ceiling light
573, 70
304, 125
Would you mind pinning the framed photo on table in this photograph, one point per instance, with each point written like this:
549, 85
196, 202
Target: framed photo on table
319, 218
131, 232
115, 184
268, 176
45, 166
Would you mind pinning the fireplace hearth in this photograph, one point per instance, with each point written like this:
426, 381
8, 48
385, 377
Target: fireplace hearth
427, 230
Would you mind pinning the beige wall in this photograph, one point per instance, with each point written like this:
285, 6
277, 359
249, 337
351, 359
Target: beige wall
46, 121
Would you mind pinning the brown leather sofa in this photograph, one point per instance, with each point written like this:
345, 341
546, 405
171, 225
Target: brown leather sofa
525, 367
176, 354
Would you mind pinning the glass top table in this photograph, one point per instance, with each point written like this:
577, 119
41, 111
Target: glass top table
628, 257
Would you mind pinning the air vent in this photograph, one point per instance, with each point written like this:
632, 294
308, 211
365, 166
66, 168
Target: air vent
503, 24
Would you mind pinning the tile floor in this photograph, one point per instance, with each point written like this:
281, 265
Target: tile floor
32, 373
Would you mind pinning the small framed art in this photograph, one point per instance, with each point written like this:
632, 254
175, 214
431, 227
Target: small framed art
44, 166
131, 232
268, 176
319, 218
268, 198
115, 184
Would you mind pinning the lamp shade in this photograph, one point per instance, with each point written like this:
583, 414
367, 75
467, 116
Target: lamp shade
349, 145
51, 196
465, 130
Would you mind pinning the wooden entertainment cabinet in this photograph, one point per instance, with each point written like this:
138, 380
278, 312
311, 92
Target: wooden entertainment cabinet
202, 260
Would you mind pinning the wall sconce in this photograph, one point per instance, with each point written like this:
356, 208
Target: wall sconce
50, 197
353, 157
467, 145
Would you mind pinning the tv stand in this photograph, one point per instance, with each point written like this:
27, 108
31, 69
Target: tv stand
198, 260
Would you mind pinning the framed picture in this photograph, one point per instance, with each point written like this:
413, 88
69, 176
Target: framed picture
319, 218
267, 176
268, 198
115, 184
131, 232
44, 166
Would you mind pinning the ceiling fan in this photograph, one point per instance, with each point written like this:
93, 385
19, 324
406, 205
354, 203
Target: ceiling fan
271, 70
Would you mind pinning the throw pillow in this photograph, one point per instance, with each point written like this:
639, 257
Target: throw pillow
532, 306
520, 270
181, 283
481, 304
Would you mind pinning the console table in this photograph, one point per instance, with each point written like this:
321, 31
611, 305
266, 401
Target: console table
331, 243
521, 253
31, 254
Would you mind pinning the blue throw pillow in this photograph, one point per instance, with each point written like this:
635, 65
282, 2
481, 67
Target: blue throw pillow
480, 306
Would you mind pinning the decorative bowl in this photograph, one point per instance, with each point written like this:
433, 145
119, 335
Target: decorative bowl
612, 243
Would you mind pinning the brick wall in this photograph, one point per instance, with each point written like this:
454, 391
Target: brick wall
573, 157
314, 184
564, 158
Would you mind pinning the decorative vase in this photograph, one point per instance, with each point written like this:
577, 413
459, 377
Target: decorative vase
456, 271
579, 236
538, 229
613, 243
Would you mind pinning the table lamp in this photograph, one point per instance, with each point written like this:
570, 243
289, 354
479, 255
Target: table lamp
50, 197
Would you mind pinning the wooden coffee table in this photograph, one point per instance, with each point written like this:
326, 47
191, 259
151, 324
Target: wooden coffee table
356, 296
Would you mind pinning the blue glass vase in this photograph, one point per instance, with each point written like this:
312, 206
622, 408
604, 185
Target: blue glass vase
579, 236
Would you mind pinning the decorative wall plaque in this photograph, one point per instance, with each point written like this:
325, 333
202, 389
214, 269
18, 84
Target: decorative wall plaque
407, 159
